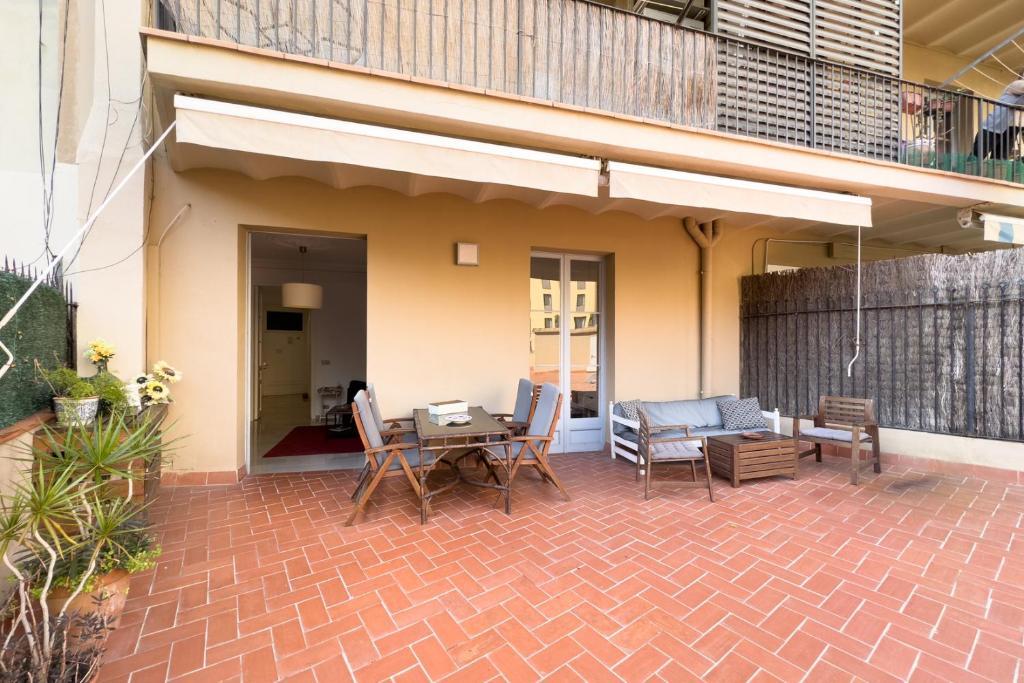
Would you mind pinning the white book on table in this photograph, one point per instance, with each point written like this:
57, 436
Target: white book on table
453, 407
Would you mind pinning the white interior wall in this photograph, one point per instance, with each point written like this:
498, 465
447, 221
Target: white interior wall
338, 330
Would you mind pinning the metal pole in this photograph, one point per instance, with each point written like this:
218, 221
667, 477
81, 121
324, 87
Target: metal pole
946, 83
856, 343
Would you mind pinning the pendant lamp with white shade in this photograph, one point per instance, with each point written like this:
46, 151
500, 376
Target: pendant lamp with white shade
302, 294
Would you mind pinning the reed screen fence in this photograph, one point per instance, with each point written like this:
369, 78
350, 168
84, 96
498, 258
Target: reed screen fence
943, 360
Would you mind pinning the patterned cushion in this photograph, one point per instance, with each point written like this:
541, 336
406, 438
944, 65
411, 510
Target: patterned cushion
630, 409
742, 414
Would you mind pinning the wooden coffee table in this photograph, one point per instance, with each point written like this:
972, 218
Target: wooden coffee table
737, 458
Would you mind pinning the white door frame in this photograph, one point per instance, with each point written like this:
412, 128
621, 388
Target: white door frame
568, 424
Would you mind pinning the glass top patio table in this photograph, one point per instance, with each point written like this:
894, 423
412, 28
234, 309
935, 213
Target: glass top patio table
484, 435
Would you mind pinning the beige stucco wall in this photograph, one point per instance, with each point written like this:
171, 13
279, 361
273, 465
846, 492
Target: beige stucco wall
923, 65
420, 346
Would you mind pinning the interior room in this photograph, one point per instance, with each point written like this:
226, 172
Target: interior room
308, 350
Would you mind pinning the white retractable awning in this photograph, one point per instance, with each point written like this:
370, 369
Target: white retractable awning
283, 139
1005, 229
680, 188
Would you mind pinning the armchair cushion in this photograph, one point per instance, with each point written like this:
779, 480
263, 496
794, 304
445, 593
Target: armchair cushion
544, 413
832, 434
741, 414
524, 401
675, 450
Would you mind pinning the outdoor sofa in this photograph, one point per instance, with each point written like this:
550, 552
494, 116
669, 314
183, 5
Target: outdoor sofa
702, 415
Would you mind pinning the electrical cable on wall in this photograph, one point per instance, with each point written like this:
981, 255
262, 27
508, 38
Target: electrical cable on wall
82, 233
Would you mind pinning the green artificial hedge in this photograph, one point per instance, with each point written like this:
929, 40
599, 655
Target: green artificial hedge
38, 331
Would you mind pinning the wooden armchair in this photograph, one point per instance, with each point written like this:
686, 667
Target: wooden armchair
526, 402
846, 422
670, 444
531, 449
383, 458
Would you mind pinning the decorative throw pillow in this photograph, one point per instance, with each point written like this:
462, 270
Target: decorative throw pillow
630, 409
744, 413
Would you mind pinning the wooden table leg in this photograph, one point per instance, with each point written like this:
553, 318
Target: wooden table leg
855, 458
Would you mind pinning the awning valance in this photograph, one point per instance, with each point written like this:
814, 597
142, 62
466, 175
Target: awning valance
680, 188
301, 137
1005, 229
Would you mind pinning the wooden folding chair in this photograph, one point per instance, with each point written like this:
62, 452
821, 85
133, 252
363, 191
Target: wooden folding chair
394, 429
526, 402
679, 446
382, 459
531, 449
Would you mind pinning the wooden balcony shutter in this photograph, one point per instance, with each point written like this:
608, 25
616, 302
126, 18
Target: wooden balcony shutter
767, 91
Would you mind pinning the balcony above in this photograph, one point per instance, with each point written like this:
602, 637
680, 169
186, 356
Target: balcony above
589, 55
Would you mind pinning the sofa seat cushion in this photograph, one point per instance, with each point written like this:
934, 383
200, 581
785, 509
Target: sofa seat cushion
833, 434
630, 435
719, 430
676, 450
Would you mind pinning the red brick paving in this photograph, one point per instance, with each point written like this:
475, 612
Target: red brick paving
908, 577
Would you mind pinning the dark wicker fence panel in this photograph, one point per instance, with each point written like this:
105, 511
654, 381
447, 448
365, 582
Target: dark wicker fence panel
43, 329
941, 359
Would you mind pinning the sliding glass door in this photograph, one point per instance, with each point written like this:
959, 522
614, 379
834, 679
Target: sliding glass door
566, 343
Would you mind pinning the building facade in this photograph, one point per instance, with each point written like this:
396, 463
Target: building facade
618, 172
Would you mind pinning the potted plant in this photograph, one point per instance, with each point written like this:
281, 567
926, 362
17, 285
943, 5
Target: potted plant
71, 542
75, 402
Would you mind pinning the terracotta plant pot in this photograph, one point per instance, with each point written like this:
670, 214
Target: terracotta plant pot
106, 600
76, 412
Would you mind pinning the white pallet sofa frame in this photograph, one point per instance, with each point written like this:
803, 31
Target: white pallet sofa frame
624, 448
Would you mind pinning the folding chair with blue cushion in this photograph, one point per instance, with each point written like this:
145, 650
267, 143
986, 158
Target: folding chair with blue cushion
394, 429
519, 419
667, 444
383, 459
531, 449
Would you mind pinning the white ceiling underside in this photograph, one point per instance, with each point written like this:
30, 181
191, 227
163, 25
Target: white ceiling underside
533, 178
967, 28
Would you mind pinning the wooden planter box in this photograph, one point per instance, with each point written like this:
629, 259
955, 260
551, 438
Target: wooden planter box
737, 458
147, 475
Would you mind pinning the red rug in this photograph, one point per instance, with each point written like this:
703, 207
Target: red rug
312, 440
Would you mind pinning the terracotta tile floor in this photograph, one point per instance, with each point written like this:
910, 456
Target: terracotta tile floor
909, 576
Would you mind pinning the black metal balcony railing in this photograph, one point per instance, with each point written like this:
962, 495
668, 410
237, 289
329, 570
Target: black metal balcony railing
589, 55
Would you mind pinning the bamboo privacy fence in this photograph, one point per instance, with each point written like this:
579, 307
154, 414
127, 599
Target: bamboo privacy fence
942, 341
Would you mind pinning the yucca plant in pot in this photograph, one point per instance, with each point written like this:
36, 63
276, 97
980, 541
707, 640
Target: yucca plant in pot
71, 544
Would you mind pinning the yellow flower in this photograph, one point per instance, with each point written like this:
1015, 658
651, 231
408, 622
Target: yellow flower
165, 372
100, 351
156, 392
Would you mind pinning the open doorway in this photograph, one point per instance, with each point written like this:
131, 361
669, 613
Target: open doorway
306, 361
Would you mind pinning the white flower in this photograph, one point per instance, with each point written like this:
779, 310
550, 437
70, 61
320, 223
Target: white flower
165, 372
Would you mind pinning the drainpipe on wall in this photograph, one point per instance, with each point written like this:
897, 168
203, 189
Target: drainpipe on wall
705, 235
